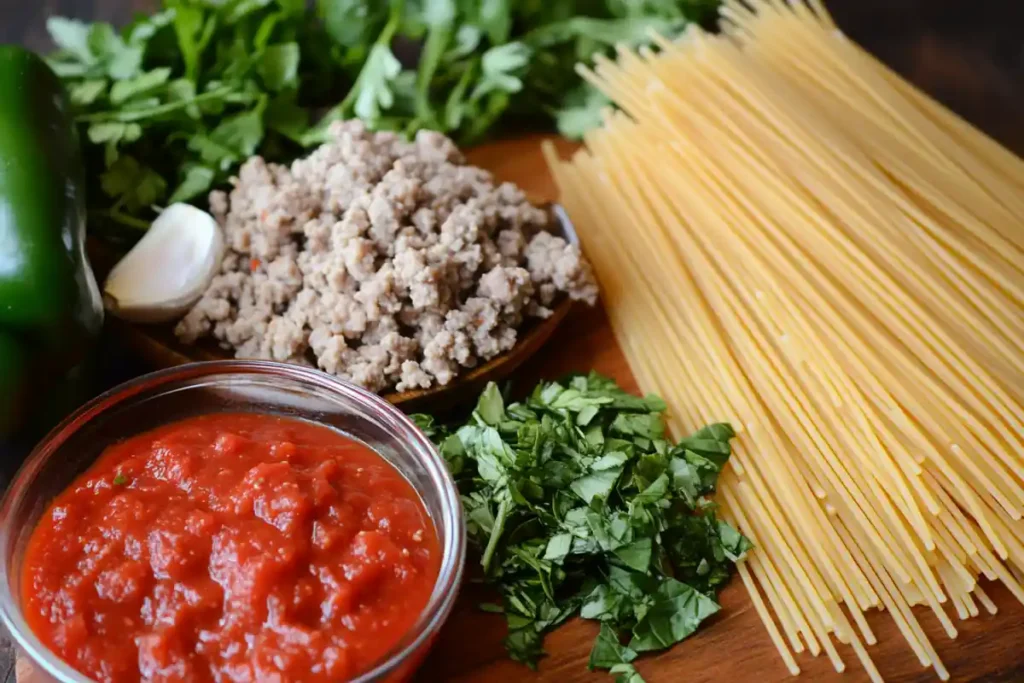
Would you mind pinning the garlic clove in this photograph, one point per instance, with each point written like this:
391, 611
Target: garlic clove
167, 271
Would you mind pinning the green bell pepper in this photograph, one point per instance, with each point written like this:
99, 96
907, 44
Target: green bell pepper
50, 306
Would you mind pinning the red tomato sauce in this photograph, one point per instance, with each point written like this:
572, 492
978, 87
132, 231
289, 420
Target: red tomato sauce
233, 547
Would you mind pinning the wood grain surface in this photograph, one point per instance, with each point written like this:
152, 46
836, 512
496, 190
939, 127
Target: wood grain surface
970, 56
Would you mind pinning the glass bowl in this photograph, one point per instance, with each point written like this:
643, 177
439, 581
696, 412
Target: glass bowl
230, 386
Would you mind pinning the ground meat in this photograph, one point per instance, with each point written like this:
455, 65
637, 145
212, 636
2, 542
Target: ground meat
390, 263
552, 260
413, 377
511, 289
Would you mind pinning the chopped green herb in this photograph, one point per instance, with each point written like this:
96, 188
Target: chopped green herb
120, 480
580, 504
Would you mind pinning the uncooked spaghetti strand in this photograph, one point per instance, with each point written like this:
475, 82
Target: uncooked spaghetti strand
958, 359
812, 646
819, 588
636, 202
1016, 419
766, 619
922, 378
831, 288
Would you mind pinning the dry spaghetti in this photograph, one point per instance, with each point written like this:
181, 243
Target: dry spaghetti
791, 237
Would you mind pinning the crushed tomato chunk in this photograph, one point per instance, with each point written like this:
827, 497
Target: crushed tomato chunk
231, 547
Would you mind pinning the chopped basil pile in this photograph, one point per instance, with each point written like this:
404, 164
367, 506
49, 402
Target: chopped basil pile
580, 504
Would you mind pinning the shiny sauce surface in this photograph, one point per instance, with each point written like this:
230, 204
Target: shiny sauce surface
231, 547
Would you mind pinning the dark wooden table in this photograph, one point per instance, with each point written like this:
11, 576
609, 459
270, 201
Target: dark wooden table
969, 55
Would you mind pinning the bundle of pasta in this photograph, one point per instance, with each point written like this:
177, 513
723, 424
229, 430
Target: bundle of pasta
838, 264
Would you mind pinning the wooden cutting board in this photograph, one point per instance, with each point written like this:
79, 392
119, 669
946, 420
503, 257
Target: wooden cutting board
733, 646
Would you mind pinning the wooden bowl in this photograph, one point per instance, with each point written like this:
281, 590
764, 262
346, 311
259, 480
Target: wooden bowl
158, 347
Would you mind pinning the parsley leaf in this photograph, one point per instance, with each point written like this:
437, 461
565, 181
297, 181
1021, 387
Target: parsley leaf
87, 92
279, 66
374, 86
353, 23
72, 37
581, 111
133, 184
127, 89
580, 504
240, 134
501, 65
198, 179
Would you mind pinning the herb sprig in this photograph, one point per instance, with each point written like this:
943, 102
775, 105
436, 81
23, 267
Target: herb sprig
174, 102
580, 504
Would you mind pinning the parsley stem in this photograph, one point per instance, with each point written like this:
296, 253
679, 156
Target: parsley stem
170, 107
384, 39
437, 41
496, 531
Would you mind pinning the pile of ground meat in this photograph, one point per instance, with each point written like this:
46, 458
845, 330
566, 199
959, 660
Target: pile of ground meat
386, 262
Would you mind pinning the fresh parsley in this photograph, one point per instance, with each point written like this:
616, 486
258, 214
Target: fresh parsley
175, 101
171, 104
580, 504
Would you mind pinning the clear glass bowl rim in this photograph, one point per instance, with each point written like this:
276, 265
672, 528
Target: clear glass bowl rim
449, 577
